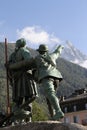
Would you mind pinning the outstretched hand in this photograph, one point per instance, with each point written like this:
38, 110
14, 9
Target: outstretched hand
61, 46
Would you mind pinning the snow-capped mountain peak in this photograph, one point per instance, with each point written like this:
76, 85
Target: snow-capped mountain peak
74, 55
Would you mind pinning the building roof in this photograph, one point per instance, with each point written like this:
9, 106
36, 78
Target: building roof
77, 95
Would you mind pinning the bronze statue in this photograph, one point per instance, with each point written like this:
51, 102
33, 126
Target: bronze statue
21, 79
48, 76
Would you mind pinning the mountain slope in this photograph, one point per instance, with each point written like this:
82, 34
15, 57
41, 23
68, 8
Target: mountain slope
74, 55
75, 77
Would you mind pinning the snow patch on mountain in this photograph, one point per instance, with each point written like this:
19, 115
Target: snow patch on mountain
84, 64
74, 55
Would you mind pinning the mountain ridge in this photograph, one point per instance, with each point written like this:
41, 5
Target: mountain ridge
74, 55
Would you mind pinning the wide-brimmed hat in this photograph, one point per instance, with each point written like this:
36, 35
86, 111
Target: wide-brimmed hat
42, 48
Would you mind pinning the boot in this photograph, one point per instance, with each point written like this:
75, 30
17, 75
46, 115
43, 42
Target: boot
55, 103
58, 115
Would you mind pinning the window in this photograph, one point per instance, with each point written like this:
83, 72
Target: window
74, 108
75, 119
66, 119
86, 106
65, 109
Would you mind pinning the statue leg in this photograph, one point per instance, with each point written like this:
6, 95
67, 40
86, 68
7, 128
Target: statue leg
50, 108
28, 111
50, 93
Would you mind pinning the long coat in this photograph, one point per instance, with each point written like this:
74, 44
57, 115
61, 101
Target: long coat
46, 65
21, 79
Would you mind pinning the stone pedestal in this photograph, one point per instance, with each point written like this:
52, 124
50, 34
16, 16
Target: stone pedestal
46, 125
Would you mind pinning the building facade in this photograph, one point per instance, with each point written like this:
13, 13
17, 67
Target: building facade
75, 107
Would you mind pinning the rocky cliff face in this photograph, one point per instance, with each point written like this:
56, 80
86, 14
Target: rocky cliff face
48, 125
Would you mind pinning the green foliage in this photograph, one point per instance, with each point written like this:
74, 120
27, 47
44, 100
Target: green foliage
38, 112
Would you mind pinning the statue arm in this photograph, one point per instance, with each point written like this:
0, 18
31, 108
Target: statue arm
22, 64
57, 52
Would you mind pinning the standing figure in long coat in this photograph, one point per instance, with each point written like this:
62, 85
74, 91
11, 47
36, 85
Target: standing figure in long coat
47, 75
23, 85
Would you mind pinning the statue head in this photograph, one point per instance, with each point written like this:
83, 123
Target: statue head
20, 43
43, 48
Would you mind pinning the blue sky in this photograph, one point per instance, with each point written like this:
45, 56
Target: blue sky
45, 21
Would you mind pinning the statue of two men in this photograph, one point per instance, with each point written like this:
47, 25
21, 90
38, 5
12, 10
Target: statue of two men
46, 74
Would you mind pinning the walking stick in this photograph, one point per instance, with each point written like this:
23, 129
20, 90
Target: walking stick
7, 84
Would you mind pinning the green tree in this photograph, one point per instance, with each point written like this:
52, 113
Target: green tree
38, 112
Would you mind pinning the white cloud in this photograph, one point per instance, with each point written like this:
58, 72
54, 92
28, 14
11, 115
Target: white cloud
35, 35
